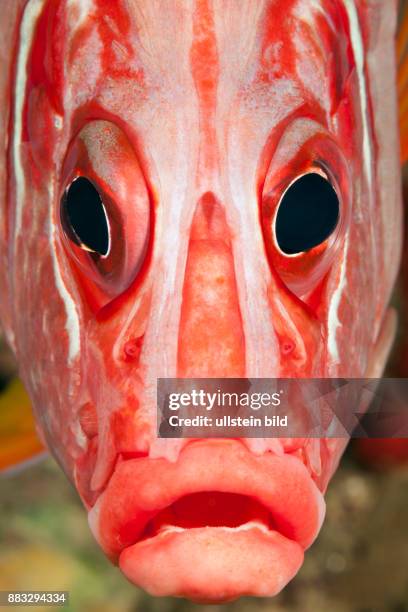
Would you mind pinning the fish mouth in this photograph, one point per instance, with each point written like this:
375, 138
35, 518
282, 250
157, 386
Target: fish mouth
218, 524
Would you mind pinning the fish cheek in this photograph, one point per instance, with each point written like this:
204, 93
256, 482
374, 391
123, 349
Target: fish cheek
382, 346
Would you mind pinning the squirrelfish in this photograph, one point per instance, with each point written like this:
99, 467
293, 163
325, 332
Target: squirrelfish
195, 188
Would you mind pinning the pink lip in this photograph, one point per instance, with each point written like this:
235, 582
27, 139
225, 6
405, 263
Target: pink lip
145, 520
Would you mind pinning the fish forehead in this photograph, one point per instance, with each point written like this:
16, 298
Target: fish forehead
180, 50
187, 72
172, 68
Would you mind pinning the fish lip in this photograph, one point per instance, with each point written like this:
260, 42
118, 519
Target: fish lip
141, 488
231, 563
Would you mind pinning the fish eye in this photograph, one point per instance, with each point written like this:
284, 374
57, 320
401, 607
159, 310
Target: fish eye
84, 218
307, 214
104, 213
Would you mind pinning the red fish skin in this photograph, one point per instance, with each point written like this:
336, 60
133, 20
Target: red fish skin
392, 453
193, 119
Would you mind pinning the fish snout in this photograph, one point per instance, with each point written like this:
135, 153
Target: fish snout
211, 338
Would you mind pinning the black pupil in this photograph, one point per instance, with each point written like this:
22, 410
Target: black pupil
84, 217
307, 215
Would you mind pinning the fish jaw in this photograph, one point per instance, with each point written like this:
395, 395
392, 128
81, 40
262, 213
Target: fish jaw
247, 518
232, 564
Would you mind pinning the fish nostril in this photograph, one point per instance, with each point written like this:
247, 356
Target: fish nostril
132, 349
287, 346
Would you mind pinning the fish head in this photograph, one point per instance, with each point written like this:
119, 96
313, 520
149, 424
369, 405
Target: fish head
204, 189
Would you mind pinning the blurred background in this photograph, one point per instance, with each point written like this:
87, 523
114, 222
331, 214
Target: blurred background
359, 563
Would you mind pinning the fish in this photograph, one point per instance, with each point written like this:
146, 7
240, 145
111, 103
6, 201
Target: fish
156, 161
